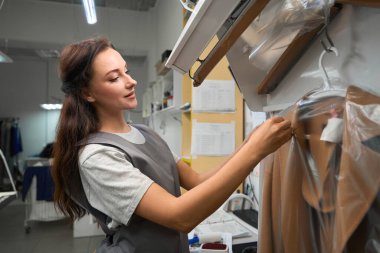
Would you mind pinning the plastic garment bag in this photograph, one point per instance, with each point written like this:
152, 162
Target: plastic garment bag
321, 190
279, 24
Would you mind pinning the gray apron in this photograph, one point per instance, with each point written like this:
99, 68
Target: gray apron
154, 159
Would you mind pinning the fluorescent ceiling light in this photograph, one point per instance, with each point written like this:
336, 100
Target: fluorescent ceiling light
89, 9
5, 58
51, 106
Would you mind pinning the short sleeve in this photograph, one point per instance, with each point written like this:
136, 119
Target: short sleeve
176, 157
111, 183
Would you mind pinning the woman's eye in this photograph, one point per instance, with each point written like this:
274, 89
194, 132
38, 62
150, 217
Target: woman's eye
114, 79
127, 71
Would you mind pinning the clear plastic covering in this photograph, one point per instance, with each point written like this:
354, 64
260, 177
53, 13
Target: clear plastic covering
321, 189
277, 26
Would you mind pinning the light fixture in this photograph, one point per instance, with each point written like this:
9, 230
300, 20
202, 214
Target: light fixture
50, 107
5, 58
205, 21
89, 9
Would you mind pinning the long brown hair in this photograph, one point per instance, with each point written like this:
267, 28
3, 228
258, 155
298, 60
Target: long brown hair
77, 120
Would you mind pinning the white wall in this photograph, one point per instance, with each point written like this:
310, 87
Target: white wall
168, 26
138, 68
168, 126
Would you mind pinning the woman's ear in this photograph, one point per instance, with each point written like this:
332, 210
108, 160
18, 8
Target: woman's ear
86, 94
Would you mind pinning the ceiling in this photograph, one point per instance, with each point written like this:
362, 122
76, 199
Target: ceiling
17, 50
136, 5
41, 52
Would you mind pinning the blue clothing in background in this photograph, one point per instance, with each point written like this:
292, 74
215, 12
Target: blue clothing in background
45, 186
16, 144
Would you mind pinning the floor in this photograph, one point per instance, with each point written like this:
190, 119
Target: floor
44, 237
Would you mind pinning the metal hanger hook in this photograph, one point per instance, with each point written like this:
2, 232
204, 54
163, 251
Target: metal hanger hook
331, 43
326, 79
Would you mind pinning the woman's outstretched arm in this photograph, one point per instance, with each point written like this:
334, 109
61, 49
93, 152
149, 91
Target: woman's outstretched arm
187, 211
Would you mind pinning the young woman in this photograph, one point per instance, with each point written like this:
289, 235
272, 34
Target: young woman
125, 175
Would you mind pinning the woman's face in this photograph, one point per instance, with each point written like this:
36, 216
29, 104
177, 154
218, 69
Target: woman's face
111, 87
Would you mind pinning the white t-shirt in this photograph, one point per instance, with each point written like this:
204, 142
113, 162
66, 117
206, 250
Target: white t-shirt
111, 183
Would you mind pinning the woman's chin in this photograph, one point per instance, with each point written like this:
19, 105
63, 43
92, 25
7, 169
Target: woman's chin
132, 105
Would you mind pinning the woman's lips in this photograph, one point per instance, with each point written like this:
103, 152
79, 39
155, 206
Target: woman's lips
131, 94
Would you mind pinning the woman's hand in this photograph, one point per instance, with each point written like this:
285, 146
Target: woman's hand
270, 135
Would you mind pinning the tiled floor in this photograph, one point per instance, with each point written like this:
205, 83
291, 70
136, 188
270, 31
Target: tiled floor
44, 237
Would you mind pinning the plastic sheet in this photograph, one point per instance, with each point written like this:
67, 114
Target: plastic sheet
277, 26
321, 189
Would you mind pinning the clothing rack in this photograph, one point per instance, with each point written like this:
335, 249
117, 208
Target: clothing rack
6, 197
10, 144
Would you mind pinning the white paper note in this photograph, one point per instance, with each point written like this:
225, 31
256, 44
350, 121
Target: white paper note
213, 139
214, 96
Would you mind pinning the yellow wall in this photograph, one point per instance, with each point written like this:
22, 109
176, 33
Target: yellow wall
220, 72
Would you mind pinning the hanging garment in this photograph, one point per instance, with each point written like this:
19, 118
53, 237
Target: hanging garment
16, 144
322, 196
6, 140
45, 184
10, 143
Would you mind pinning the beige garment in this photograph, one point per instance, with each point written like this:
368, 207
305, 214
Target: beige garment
313, 190
359, 177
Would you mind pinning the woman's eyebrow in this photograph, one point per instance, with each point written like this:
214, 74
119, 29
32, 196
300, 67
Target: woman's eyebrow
115, 70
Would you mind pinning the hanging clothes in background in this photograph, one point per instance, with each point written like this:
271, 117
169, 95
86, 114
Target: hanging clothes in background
321, 190
45, 184
15, 143
11, 145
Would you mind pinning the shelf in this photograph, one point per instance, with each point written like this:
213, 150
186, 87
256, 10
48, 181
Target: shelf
161, 70
155, 95
167, 110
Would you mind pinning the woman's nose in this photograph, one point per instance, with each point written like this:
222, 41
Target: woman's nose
130, 82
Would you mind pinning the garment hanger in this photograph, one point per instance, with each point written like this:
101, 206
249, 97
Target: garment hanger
329, 87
